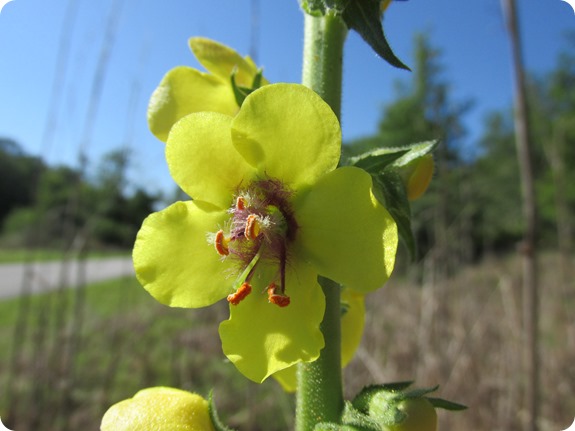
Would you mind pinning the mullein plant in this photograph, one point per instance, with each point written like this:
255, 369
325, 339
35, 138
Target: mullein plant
291, 235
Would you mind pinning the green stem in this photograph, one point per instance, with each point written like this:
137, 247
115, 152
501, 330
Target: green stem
320, 393
323, 54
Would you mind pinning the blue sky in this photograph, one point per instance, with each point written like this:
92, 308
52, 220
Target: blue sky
151, 37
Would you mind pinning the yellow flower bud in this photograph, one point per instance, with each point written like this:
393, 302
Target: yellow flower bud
417, 176
420, 416
159, 409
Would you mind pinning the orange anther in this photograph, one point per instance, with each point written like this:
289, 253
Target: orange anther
244, 290
221, 244
240, 203
279, 300
252, 229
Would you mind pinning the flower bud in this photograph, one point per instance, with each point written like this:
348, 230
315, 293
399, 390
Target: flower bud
417, 414
420, 416
417, 176
159, 408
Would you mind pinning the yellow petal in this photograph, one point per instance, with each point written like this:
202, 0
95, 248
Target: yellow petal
344, 231
222, 60
203, 161
288, 132
184, 90
174, 261
261, 338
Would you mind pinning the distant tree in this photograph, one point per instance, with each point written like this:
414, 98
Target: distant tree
119, 215
20, 173
495, 171
64, 201
496, 189
56, 206
554, 126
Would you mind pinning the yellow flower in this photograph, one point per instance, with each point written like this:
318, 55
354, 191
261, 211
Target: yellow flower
159, 409
270, 212
184, 90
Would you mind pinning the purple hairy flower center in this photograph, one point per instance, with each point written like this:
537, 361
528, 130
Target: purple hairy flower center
262, 225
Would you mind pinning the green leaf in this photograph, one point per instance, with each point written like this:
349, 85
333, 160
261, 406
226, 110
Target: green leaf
414, 151
390, 191
420, 392
257, 82
355, 418
362, 399
395, 386
376, 161
363, 17
240, 93
440, 403
218, 426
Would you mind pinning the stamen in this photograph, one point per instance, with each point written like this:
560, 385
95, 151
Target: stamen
221, 244
252, 229
279, 299
244, 290
240, 203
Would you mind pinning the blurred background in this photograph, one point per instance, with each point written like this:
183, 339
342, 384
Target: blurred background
79, 171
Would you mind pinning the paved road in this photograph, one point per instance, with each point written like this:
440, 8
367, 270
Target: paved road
41, 277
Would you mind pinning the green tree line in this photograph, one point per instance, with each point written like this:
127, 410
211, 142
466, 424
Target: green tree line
46, 206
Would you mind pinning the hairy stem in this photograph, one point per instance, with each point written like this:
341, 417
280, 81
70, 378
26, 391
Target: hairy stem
323, 54
320, 394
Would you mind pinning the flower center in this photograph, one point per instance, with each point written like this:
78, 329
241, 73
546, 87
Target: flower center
261, 226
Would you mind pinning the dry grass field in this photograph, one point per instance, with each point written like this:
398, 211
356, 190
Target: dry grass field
65, 357
464, 333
